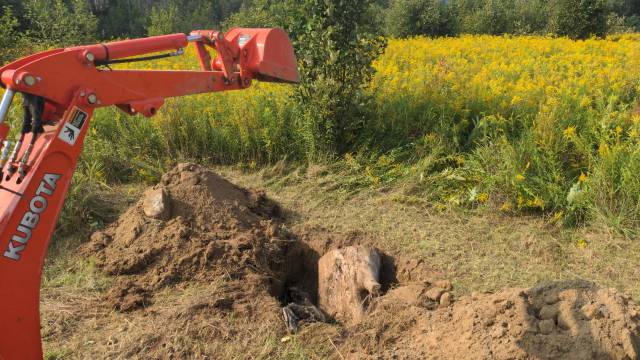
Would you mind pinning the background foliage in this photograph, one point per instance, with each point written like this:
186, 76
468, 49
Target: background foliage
62, 22
523, 125
526, 124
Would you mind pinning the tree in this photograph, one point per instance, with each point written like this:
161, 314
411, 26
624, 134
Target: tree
418, 17
578, 19
285, 14
336, 48
8, 34
122, 18
626, 8
485, 17
164, 20
183, 16
529, 17
58, 23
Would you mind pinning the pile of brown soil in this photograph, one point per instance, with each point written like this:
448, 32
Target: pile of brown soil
563, 320
210, 229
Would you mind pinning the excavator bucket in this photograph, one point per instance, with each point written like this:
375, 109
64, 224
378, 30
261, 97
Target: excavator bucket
272, 58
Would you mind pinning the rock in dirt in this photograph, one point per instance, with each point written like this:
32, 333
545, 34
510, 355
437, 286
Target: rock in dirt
347, 278
445, 299
546, 326
412, 295
156, 204
435, 293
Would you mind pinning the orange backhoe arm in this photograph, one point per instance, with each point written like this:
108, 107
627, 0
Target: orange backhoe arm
61, 89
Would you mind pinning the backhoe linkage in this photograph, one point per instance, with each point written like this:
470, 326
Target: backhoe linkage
61, 89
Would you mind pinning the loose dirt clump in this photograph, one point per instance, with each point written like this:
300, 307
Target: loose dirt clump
193, 226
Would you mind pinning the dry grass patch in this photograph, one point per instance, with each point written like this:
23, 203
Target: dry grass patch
480, 250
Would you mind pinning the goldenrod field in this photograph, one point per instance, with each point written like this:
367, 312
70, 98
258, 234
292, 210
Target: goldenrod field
523, 124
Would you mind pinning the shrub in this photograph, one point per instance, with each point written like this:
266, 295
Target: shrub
485, 17
578, 19
122, 18
418, 17
617, 24
529, 17
164, 20
266, 13
8, 34
60, 23
336, 50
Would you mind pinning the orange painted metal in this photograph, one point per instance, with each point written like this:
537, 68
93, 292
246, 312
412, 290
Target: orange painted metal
41, 194
268, 54
72, 88
127, 48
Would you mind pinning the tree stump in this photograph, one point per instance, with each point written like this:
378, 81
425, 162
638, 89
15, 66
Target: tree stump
348, 279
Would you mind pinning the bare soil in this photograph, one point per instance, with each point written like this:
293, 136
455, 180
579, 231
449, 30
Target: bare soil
219, 265
214, 229
563, 320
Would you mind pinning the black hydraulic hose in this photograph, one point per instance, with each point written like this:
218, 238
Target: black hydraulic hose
27, 116
126, 61
34, 107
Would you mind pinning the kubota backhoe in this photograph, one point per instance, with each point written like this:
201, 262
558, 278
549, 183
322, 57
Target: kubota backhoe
61, 89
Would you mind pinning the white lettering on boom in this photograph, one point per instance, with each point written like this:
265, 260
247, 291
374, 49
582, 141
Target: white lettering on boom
31, 218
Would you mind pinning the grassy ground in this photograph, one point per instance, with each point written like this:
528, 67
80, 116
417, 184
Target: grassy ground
478, 249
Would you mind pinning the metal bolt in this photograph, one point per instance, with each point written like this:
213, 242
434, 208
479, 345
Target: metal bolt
92, 99
29, 80
247, 82
90, 57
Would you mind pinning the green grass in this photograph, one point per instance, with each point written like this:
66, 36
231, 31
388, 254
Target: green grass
479, 249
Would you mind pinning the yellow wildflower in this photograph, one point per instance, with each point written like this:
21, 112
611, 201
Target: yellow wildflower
570, 132
536, 203
581, 243
583, 177
558, 216
603, 149
585, 102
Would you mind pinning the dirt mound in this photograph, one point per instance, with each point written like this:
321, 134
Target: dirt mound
206, 228
207, 261
566, 320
